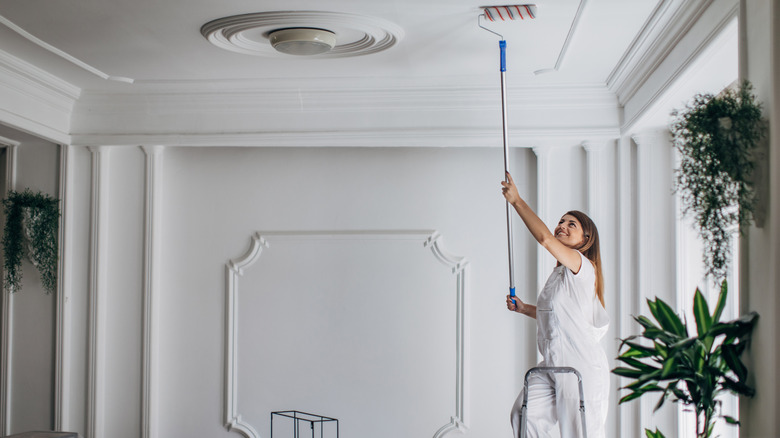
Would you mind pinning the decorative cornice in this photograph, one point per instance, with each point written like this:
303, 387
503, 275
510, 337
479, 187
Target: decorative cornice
667, 25
434, 137
683, 65
73, 60
39, 84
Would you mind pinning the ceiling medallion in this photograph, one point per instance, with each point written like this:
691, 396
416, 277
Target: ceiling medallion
345, 34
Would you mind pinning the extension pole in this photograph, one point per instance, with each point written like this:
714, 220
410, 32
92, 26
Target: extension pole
502, 48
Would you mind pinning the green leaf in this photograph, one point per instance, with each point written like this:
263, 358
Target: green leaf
724, 291
651, 434
701, 313
629, 397
637, 364
731, 420
638, 350
736, 328
627, 372
660, 403
731, 357
669, 320
738, 387
645, 321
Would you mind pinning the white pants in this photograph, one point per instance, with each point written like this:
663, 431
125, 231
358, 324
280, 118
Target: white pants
546, 409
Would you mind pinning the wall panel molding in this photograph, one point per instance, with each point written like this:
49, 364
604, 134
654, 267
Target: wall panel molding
260, 242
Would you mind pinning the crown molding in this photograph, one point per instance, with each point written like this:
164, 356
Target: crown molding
66, 56
401, 137
35, 101
38, 83
285, 97
668, 24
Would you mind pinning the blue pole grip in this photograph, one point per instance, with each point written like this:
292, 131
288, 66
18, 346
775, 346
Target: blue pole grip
512, 292
502, 47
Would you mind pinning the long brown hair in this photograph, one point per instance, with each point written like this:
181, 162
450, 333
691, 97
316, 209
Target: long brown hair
591, 249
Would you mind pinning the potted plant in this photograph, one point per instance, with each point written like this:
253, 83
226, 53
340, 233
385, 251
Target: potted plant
31, 224
693, 370
717, 138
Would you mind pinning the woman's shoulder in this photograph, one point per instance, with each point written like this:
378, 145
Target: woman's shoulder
587, 268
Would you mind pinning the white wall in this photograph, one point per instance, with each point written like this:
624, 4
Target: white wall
215, 199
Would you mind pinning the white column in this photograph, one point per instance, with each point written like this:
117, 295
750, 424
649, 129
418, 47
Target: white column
628, 298
544, 172
152, 230
62, 335
655, 226
97, 285
602, 196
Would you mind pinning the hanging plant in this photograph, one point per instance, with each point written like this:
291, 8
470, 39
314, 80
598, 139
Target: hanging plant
717, 138
31, 223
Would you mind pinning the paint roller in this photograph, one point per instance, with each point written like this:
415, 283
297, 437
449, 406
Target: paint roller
498, 14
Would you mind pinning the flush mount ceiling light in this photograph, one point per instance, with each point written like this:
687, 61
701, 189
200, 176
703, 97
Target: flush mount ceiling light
302, 41
261, 34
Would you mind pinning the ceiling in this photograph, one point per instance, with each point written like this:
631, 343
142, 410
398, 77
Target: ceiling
126, 46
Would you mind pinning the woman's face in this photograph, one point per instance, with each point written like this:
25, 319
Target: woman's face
569, 232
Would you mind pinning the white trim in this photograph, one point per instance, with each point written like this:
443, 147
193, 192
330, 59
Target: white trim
681, 67
234, 268
63, 315
97, 280
421, 137
7, 302
657, 38
152, 247
628, 414
49, 88
73, 60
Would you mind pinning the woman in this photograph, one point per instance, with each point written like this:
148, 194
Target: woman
570, 321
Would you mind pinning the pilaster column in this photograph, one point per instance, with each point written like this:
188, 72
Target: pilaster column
544, 173
656, 251
63, 312
152, 232
601, 207
628, 414
96, 363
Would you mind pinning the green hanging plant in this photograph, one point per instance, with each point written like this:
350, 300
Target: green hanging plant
717, 138
693, 370
31, 224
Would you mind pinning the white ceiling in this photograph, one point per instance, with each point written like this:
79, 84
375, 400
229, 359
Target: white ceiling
157, 43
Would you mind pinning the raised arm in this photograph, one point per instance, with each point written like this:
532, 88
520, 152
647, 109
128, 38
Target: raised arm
567, 256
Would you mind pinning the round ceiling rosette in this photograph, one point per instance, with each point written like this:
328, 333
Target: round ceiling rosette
356, 35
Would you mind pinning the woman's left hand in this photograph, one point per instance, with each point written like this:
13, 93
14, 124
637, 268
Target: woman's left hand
509, 190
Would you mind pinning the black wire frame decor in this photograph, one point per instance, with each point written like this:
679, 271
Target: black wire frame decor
306, 418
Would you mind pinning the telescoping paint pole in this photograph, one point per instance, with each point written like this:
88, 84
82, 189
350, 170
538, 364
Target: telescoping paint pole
497, 14
502, 48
